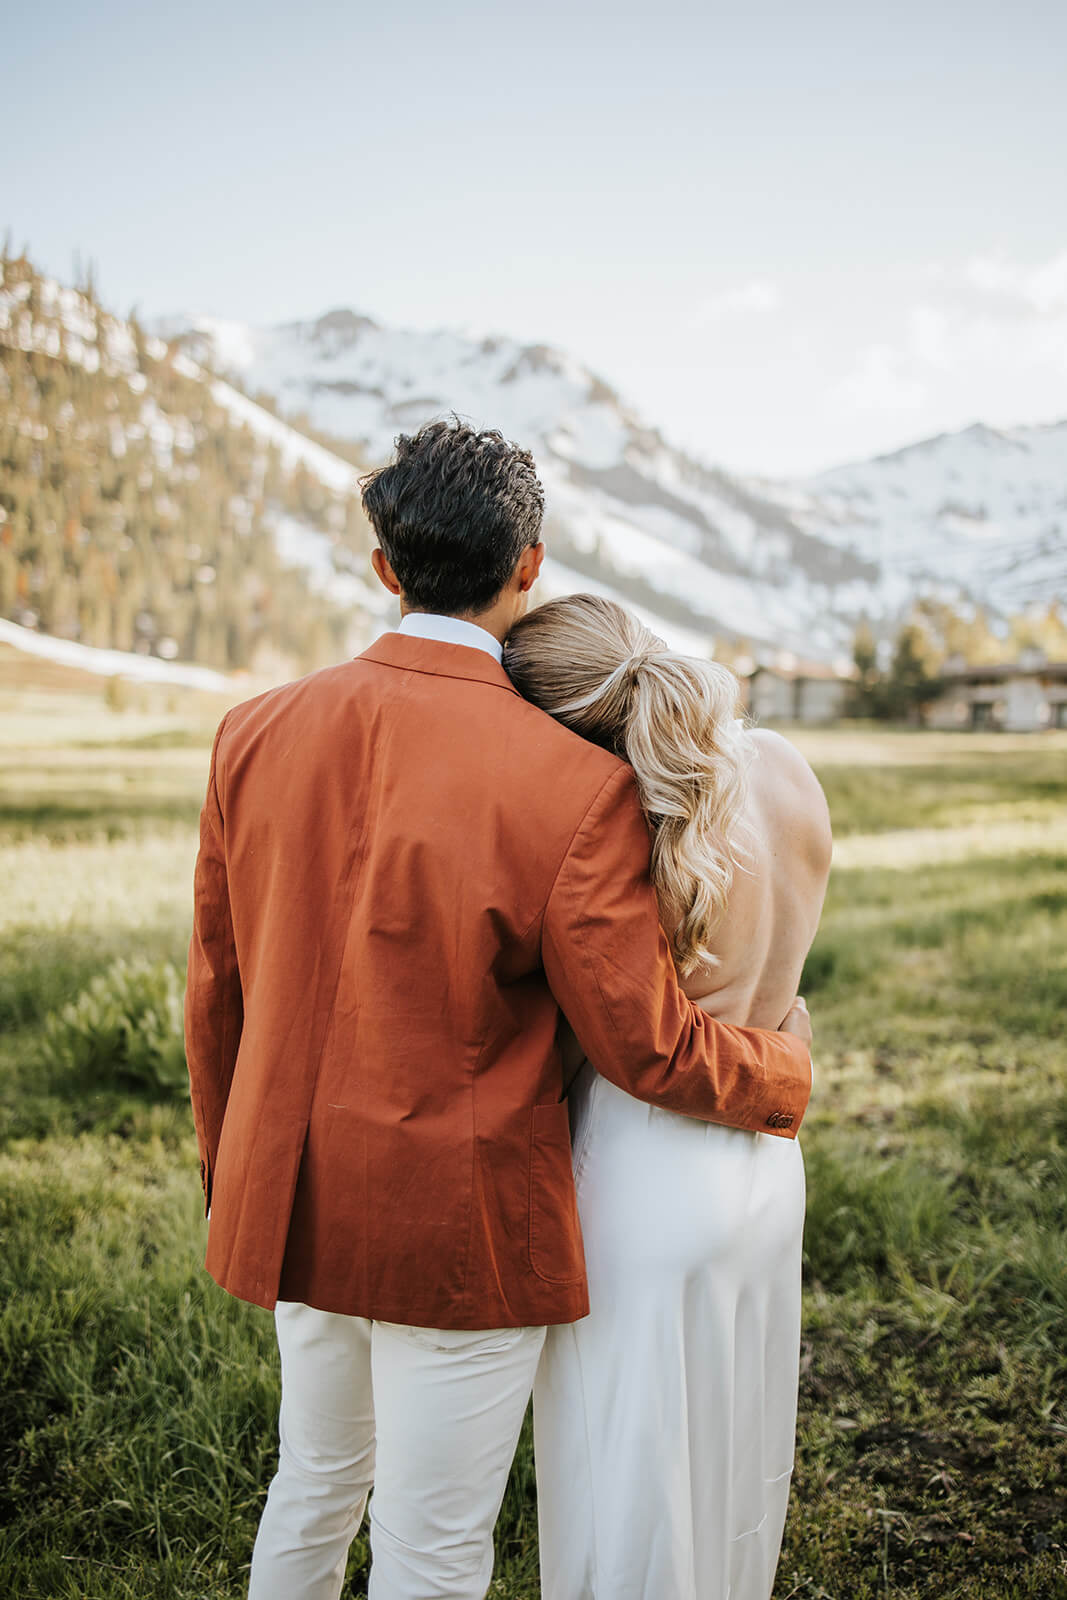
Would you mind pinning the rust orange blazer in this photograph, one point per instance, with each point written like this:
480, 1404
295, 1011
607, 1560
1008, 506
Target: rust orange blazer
405, 873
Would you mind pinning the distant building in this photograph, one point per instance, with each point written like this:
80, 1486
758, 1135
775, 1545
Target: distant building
785, 689
1021, 696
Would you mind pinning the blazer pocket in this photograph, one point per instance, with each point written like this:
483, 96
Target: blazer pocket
556, 1253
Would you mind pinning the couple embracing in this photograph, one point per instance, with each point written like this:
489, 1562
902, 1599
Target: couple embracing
497, 1071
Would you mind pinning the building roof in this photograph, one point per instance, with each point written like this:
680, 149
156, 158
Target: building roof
806, 670
1003, 671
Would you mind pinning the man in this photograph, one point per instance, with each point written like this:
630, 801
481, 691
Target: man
406, 871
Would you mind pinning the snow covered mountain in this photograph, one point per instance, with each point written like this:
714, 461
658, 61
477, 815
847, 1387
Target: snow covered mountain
699, 552
220, 519
977, 517
981, 513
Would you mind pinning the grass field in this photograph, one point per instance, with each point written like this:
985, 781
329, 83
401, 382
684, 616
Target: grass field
138, 1402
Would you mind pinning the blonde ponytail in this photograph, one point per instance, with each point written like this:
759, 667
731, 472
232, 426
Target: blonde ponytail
589, 663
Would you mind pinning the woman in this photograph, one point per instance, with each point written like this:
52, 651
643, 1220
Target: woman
664, 1421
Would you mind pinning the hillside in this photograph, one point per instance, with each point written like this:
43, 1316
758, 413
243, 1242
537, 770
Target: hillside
147, 507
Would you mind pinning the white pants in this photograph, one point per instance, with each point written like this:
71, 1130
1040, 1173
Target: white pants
430, 1417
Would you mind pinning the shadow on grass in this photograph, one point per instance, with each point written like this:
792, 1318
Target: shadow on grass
94, 815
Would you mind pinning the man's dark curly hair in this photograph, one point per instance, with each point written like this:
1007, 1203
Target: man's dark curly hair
453, 514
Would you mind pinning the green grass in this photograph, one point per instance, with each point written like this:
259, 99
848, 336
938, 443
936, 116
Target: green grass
138, 1401
881, 781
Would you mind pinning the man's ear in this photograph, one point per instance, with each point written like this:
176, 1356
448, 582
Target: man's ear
380, 562
530, 566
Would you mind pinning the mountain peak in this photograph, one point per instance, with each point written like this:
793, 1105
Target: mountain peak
342, 324
704, 552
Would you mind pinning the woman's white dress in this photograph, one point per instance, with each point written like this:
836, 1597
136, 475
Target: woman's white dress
664, 1421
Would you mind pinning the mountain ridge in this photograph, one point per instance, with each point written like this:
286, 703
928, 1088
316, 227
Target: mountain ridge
795, 563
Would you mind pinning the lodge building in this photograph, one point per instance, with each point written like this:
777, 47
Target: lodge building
786, 689
1021, 696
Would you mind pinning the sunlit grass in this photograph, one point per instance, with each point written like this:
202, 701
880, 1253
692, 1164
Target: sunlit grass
907, 848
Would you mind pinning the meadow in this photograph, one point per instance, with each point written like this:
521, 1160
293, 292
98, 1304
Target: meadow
138, 1401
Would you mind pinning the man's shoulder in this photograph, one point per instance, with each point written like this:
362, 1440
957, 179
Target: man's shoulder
548, 742
242, 725
322, 684
493, 714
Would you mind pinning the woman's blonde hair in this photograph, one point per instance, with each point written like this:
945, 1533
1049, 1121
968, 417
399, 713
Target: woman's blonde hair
598, 670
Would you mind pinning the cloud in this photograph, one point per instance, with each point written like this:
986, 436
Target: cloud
1041, 290
758, 295
931, 337
813, 366
881, 381
986, 339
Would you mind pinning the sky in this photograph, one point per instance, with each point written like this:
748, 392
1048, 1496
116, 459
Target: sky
790, 235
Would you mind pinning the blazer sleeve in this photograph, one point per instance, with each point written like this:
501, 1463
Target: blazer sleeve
214, 1006
609, 965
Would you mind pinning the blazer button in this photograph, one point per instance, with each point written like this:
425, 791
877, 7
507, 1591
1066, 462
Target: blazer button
781, 1119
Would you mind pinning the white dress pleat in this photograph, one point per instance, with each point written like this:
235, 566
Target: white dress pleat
665, 1420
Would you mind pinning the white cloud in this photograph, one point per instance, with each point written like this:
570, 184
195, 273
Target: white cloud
881, 381
1041, 289
986, 340
816, 367
931, 337
757, 295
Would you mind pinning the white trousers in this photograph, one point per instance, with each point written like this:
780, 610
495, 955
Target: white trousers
429, 1417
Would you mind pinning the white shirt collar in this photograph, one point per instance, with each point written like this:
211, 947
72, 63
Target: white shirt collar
451, 630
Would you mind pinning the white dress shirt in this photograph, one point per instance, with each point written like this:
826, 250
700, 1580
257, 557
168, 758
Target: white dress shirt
451, 630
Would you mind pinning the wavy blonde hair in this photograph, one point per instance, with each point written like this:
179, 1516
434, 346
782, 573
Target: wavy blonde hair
597, 669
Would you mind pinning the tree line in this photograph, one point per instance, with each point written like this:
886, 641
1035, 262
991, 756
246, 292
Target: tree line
136, 514
897, 683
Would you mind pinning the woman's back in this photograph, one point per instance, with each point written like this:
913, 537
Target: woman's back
777, 891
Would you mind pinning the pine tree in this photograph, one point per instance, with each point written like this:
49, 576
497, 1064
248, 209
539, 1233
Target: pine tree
867, 695
911, 683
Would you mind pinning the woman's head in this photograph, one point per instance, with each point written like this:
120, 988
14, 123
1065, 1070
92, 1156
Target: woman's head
596, 668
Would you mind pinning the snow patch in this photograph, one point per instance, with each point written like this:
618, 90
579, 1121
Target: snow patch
113, 663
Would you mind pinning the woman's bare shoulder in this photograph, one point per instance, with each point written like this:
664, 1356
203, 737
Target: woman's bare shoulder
783, 782
775, 748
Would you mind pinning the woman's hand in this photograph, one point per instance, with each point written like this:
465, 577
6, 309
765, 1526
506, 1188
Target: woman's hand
797, 1021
